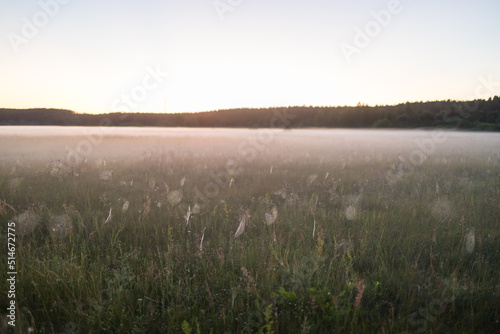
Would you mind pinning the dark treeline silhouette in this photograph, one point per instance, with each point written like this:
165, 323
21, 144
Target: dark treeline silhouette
477, 115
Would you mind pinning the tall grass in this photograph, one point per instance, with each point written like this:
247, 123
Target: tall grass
396, 262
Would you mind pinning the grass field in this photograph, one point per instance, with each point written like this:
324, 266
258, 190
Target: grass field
330, 244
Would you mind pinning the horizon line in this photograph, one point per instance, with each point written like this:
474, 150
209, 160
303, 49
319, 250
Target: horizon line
360, 104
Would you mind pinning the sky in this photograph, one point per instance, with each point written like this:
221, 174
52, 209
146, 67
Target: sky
95, 56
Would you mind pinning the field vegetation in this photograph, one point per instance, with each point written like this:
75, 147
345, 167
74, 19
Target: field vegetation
325, 240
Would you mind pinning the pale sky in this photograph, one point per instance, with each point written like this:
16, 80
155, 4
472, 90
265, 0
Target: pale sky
101, 56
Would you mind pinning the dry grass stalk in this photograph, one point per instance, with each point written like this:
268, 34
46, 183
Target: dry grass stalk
361, 289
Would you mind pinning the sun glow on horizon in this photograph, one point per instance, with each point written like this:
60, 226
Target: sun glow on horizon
260, 54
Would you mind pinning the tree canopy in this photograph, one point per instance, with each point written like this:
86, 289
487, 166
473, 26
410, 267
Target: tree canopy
477, 115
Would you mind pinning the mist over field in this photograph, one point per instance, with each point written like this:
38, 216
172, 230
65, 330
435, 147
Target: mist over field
231, 230
69, 144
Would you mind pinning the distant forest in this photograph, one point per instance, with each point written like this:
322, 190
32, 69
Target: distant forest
475, 115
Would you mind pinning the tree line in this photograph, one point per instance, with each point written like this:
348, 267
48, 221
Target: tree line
476, 115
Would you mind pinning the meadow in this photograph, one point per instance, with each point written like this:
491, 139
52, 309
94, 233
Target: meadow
246, 231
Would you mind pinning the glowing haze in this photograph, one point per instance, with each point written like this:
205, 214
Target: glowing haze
102, 56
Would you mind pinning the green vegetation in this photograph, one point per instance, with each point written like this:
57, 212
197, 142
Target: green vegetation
348, 252
477, 115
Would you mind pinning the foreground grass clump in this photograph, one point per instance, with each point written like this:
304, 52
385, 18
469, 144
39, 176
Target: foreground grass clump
347, 251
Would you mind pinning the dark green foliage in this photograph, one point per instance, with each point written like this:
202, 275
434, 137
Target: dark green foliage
477, 115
